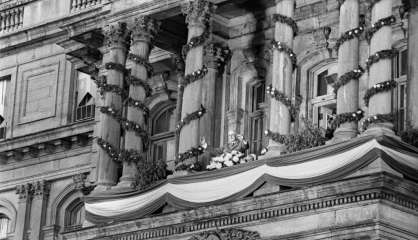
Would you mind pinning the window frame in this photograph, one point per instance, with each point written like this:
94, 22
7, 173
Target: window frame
78, 206
256, 114
402, 81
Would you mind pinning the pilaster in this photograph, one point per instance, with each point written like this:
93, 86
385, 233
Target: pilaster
412, 60
39, 206
25, 193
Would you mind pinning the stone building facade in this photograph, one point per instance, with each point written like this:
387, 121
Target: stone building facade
125, 86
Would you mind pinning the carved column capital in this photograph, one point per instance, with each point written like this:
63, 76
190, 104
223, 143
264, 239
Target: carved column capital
41, 188
216, 55
198, 12
117, 34
145, 29
24, 191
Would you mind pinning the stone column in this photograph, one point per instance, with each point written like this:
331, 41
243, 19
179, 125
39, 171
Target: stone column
348, 61
114, 59
136, 137
280, 117
214, 59
380, 104
198, 14
39, 205
412, 66
24, 193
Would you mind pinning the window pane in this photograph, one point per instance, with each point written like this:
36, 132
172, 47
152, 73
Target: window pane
402, 96
4, 226
404, 63
322, 84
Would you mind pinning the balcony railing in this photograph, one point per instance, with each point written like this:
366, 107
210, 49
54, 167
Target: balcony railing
11, 19
78, 5
85, 113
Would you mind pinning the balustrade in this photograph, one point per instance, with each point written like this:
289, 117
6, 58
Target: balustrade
11, 19
78, 5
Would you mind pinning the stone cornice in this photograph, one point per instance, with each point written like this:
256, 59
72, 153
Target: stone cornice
372, 189
46, 142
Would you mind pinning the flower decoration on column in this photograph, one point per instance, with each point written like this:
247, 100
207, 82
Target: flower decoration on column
383, 54
282, 47
378, 88
347, 77
285, 100
387, 21
190, 117
350, 34
378, 118
286, 20
347, 117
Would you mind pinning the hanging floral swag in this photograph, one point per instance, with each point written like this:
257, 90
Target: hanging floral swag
378, 88
379, 118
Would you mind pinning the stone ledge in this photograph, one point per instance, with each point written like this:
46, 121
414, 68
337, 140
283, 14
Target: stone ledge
46, 142
371, 189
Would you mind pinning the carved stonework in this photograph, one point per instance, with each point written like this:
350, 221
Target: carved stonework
216, 56
41, 188
117, 35
24, 191
198, 11
227, 234
81, 183
145, 29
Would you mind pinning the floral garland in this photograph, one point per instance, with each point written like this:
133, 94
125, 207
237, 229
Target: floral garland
193, 152
131, 80
347, 117
387, 21
277, 137
142, 61
383, 54
379, 118
138, 105
125, 124
288, 21
112, 151
130, 155
347, 77
285, 100
281, 47
378, 88
103, 87
350, 34
194, 76
195, 42
190, 117
116, 66
229, 159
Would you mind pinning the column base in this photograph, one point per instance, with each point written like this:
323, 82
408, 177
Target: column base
101, 188
380, 129
125, 184
273, 150
343, 134
179, 173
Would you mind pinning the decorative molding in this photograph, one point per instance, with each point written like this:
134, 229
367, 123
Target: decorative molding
14, 3
227, 234
255, 216
216, 56
117, 35
145, 29
24, 191
41, 188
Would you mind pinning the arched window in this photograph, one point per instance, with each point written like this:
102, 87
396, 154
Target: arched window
5, 226
256, 117
399, 74
162, 134
85, 101
322, 98
74, 216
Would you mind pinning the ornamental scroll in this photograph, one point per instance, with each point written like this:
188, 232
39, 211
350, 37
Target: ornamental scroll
227, 234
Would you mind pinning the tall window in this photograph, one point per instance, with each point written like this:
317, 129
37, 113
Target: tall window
162, 138
4, 226
74, 216
256, 117
3, 104
85, 102
399, 72
323, 101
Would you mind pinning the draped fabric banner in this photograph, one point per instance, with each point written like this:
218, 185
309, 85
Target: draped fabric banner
314, 166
